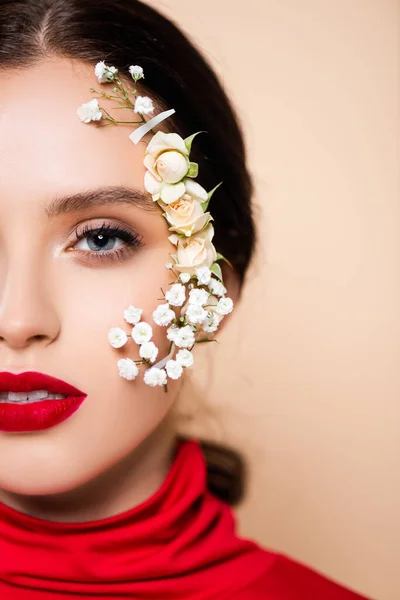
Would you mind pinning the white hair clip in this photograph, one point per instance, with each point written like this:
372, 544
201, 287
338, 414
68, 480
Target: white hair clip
198, 288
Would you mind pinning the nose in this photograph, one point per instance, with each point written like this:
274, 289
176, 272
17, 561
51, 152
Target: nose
27, 314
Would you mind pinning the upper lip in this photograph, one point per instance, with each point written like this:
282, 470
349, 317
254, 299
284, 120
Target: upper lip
29, 381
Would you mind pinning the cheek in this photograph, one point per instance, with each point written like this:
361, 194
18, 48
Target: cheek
117, 414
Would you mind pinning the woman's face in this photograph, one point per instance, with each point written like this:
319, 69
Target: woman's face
58, 300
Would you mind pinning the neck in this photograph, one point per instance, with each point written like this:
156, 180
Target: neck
124, 486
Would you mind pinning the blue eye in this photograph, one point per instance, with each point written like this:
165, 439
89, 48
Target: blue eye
101, 242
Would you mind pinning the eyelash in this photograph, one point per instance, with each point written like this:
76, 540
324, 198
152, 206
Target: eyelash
133, 242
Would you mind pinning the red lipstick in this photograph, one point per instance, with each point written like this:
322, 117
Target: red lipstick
38, 414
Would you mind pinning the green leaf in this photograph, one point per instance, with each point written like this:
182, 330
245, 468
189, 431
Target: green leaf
206, 203
216, 269
188, 141
193, 170
206, 340
221, 257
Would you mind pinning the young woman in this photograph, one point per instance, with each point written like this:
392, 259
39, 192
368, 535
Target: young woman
99, 497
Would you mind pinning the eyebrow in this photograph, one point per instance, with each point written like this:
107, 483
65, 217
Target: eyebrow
100, 196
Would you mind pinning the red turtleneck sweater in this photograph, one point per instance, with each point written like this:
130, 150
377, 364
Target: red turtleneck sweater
180, 544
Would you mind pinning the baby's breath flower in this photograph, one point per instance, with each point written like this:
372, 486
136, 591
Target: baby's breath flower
184, 337
136, 72
211, 322
169, 266
185, 358
104, 73
198, 296
174, 369
133, 315
184, 277
117, 337
144, 105
176, 294
171, 332
89, 111
163, 315
149, 351
216, 287
127, 368
155, 376
203, 275
195, 314
142, 332
224, 306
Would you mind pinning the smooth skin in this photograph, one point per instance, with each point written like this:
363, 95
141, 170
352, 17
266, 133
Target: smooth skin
57, 302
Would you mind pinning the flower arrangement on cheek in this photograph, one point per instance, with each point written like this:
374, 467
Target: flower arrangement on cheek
197, 291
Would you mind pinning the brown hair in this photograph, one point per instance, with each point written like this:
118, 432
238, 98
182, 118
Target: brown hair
125, 32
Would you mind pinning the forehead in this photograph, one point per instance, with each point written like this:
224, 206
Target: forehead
43, 144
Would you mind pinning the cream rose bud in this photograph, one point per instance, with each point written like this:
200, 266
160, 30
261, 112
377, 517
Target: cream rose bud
194, 251
167, 157
171, 166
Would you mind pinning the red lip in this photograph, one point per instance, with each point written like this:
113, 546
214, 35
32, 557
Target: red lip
43, 413
33, 380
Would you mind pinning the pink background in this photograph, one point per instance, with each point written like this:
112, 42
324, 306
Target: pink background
306, 379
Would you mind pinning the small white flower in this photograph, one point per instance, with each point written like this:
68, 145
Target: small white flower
169, 266
104, 73
149, 351
211, 322
203, 275
195, 314
117, 337
174, 369
184, 277
216, 287
198, 297
133, 315
144, 105
176, 294
163, 315
89, 111
184, 337
224, 306
136, 72
185, 358
127, 368
155, 376
171, 332
142, 332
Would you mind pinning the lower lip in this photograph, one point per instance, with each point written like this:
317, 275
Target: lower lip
35, 416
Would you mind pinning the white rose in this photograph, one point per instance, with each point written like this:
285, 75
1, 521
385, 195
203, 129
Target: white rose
186, 215
167, 157
194, 251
